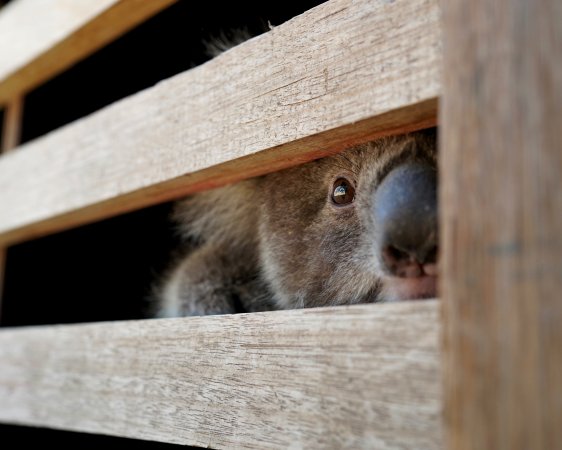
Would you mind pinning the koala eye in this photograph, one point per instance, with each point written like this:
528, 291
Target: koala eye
342, 192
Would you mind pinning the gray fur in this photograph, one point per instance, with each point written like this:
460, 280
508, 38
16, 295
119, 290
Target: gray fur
225, 41
279, 242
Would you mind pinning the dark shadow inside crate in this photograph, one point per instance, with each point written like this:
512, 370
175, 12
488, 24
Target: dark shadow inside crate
97, 272
24, 437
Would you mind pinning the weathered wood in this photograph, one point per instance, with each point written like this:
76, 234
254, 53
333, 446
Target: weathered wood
11, 128
47, 36
340, 73
365, 376
501, 175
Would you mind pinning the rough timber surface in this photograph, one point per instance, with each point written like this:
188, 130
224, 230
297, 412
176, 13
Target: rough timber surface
365, 376
44, 37
341, 73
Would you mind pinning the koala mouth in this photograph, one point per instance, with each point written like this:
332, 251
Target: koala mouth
411, 288
408, 279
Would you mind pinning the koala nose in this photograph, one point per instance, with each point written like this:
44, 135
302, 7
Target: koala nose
405, 212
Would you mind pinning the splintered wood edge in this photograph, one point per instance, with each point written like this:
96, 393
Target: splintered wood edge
339, 74
65, 35
364, 376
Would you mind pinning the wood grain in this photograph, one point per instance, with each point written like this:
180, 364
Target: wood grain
341, 73
48, 36
11, 128
501, 175
351, 377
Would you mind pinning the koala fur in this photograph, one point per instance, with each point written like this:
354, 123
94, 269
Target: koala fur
279, 241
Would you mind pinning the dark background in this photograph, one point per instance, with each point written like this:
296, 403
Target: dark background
104, 271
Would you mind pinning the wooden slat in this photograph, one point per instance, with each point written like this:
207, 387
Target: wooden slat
11, 128
502, 221
352, 377
341, 73
47, 36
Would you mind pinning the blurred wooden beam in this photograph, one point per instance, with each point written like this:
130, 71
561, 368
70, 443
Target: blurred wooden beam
43, 38
501, 175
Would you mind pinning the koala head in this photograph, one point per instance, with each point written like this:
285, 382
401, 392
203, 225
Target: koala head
356, 227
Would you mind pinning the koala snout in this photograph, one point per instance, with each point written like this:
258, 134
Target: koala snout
405, 214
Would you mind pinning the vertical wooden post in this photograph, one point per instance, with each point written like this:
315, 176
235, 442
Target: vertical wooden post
11, 133
501, 148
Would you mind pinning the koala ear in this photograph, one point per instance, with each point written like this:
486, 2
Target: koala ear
225, 40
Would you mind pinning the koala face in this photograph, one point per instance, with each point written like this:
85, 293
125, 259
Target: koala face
357, 227
360, 226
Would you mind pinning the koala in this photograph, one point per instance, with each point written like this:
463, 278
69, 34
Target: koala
356, 227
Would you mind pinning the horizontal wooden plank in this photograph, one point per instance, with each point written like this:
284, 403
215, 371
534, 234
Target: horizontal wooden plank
365, 376
340, 73
47, 36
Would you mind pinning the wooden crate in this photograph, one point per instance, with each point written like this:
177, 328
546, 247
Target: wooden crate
369, 376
